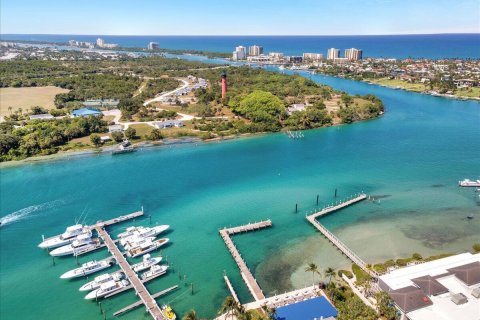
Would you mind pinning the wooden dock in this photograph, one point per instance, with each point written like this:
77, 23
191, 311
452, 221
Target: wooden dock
140, 302
247, 276
333, 239
140, 289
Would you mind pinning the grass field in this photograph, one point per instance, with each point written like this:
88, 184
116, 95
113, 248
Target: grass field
419, 87
470, 92
26, 98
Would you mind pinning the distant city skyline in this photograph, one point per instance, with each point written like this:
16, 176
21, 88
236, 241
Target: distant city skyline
209, 17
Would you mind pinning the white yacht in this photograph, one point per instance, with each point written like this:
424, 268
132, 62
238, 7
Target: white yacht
65, 238
81, 244
142, 232
154, 271
136, 242
469, 183
146, 247
107, 288
98, 281
88, 268
147, 262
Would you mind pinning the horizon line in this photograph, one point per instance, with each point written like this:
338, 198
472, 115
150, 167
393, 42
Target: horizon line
244, 35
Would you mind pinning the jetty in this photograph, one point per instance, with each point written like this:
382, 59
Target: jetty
247, 276
140, 302
333, 239
140, 289
123, 218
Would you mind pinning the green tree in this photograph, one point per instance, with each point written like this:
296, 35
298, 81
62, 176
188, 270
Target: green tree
313, 268
230, 307
385, 306
261, 106
117, 136
329, 272
346, 99
130, 133
156, 134
95, 139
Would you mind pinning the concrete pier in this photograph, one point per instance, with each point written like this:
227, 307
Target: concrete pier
140, 289
333, 239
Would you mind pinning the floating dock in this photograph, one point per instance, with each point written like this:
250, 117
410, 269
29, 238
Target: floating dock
333, 239
140, 302
140, 289
247, 276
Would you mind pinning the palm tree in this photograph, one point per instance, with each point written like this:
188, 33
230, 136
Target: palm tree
313, 268
329, 272
229, 306
271, 312
191, 315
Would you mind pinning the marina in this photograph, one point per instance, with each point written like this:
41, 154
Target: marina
140, 289
245, 272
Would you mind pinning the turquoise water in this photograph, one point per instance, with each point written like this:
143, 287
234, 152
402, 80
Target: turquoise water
411, 158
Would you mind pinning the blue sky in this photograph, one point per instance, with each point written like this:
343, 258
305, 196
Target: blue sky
245, 17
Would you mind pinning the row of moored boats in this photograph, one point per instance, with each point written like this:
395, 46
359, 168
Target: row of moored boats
136, 241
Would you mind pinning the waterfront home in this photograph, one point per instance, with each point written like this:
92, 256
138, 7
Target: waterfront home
440, 289
169, 124
295, 107
84, 112
44, 116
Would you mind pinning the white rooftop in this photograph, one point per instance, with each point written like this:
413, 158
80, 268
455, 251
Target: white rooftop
401, 278
443, 308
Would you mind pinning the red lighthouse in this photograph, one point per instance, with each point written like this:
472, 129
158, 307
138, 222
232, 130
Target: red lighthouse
224, 85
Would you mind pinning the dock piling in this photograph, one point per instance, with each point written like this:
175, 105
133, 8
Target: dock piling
53, 260
100, 306
296, 207
335, 192
317, 199
191, 287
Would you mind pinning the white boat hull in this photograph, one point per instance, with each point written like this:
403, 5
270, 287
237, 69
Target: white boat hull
79, 272
144, 266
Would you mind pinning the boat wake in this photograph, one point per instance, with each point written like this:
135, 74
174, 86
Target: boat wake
28, 212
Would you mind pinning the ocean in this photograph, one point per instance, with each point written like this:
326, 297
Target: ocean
432, 46
410, 160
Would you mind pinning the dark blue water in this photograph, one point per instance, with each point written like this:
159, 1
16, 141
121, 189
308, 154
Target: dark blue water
397, 46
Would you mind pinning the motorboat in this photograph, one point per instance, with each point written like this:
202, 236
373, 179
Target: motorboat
98, 281
65, 238
469, 183
147, 247
142, 232
88, 268
154, 271
168, 313
137, 241
80, 245
107, 288
147, 262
